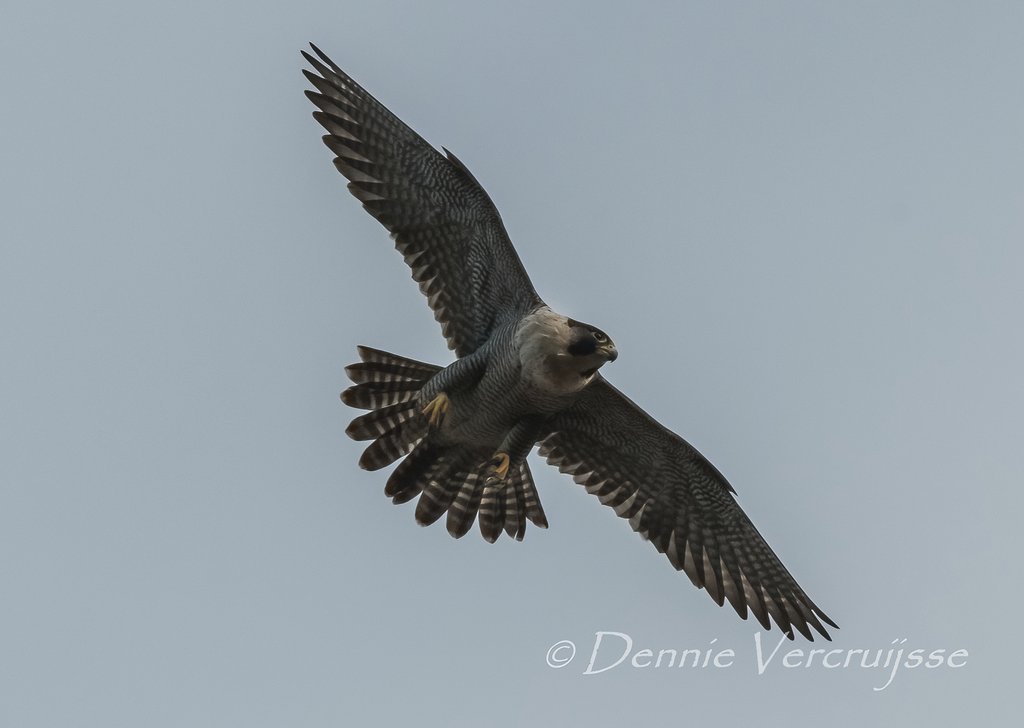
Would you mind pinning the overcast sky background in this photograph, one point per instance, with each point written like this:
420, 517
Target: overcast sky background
801, 223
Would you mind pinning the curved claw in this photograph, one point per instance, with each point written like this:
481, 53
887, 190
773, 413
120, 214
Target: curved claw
499, 464
436, 409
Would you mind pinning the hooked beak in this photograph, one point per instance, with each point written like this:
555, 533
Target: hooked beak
610, 352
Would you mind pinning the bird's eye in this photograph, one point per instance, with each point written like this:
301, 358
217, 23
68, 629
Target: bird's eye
601, 338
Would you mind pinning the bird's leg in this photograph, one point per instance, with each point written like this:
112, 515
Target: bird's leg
516, 446
436, 409
459, 375
498, 467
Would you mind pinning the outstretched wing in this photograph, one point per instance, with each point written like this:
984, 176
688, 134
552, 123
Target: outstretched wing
676, 499
443, 222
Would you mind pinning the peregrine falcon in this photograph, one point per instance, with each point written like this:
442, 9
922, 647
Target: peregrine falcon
524, 375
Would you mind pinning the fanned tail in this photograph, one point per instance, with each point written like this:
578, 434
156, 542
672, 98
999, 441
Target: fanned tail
509, 505
451, 481
447, 479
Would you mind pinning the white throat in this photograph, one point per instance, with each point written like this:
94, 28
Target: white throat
542, 340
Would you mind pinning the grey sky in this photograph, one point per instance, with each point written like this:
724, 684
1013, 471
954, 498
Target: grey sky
800, 222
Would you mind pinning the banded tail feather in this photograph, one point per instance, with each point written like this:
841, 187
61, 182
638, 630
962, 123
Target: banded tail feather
446, 479
508, 507
453, 483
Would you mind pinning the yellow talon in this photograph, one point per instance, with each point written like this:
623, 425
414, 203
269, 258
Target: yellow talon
499, 465
436, 409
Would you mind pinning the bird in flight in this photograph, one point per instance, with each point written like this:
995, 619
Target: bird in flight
524, 375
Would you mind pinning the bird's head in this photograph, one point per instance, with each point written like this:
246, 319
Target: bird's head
561, 355
589, 348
